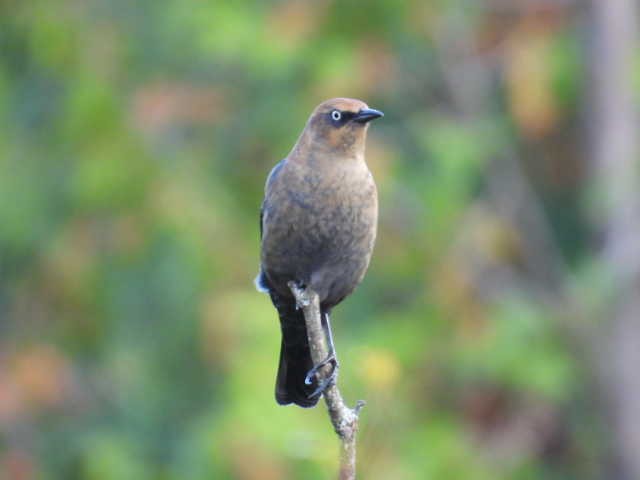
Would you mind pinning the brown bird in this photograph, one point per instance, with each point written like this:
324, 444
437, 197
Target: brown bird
318, 226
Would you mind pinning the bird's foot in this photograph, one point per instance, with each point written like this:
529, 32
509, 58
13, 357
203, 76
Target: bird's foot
323, 383
299, 292
331, 358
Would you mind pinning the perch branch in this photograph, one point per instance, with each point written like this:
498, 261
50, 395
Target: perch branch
343, 418
615, 165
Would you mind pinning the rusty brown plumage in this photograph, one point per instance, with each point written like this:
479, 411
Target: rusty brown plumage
318, 225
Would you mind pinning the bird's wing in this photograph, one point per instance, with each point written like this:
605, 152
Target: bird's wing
261, 282
272, 175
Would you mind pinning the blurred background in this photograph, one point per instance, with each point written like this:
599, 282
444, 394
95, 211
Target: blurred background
497, 334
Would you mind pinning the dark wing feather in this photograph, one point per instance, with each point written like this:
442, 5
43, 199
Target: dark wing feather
261, 282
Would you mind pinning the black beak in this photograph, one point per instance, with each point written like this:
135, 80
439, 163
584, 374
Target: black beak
367, 114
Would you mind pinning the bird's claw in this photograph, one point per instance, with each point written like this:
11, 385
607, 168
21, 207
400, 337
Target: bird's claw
324, 383
302, 304
299, 292
331, 358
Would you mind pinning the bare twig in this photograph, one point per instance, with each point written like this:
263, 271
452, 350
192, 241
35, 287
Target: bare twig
343, 418
615, 179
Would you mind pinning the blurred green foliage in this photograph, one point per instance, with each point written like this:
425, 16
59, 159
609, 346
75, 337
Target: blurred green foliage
135, 138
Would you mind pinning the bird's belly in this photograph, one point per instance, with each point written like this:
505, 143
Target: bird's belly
325, 248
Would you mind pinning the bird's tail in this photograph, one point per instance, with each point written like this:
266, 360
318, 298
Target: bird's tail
295, 358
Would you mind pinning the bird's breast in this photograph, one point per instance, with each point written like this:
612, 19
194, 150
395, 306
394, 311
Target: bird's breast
321, 224
337, 211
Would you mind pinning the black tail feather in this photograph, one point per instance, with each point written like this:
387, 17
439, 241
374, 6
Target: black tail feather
295, 358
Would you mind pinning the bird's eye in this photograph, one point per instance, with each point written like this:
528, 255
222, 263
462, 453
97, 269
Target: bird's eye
336, 115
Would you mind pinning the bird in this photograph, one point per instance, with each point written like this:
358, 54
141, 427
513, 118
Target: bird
318, 224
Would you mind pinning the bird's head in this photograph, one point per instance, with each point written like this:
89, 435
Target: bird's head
340, 125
